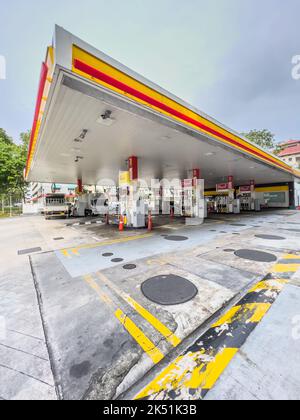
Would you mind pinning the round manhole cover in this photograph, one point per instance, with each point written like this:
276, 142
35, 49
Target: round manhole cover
176, 238
107, 254
169, 289
117, 260
271, 237
252, 255
237, 224
129, 267
229, 250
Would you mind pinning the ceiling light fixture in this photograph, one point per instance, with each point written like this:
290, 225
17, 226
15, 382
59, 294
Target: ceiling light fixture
106, 118
81, 136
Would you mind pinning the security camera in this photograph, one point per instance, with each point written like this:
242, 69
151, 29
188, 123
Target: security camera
106, 115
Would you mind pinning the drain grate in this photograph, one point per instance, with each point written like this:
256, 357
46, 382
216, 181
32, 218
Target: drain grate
129, 267
169, 289
271, 237
176, 238
252, 255
29, 251
58, 239
117, 260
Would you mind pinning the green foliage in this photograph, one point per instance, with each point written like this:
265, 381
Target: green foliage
12, 163
263, 138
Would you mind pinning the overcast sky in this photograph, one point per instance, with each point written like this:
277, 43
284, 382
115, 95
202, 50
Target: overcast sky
230, 58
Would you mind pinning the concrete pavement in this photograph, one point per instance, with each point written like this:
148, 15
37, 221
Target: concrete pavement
101, 334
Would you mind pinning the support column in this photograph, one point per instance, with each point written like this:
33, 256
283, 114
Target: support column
79, 186
133, 168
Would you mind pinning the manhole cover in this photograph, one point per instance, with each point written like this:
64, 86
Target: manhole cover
129, 267
229, 250
237, 224
58, 239
169, 289
271, 237
117, 260
252, 255
235, 233
176, 238
107, 254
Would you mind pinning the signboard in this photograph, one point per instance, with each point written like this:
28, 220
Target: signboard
124, 178
187, 183
245, 189
275, 197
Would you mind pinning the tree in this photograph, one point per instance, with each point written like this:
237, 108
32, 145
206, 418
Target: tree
4, 138
263, 138
12, 163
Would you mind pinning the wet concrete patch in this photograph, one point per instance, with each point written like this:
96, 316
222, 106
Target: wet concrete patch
271, 237
253, 255
169, 289
80, 370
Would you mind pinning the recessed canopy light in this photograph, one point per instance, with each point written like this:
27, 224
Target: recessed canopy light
81, 136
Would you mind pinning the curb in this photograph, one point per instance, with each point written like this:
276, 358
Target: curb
192, 374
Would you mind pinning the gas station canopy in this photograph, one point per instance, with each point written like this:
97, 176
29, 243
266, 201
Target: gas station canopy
92, 113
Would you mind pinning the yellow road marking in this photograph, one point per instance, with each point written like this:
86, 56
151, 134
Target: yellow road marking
153, 352
276, 285
103, 296
291, 257
191, 371
285, 268
144, 342
66, 253
114, 241
156, 323
239, 313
